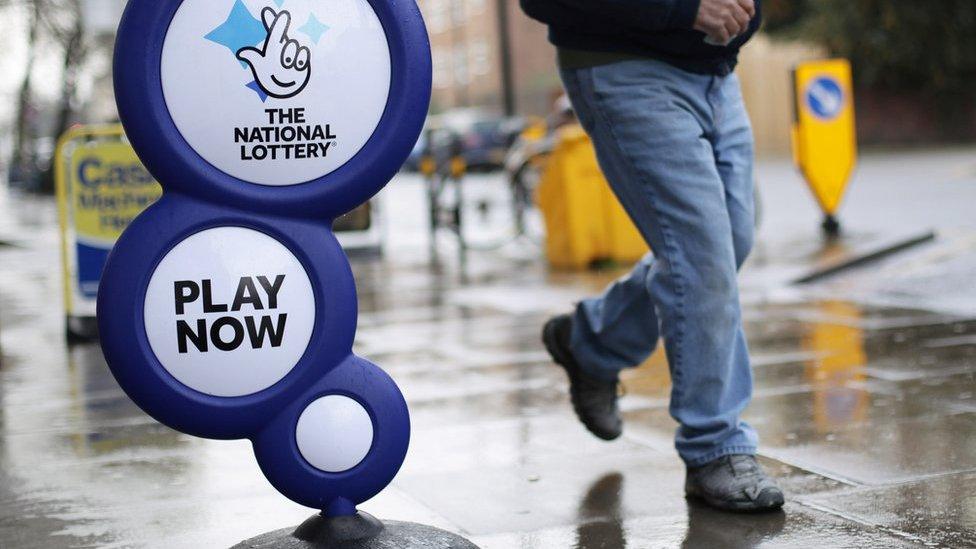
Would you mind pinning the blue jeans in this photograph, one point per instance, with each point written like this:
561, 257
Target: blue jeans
677, 150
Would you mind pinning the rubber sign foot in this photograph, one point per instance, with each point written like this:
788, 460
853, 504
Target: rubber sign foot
831, 226
359, 531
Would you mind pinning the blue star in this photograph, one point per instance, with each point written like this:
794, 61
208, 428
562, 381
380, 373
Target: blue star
240, 30
257, 89
314, 28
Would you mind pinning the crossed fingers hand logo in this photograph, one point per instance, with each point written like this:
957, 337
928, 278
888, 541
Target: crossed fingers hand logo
282, 66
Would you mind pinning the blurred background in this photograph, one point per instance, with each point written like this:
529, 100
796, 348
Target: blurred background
914, 65
864, 339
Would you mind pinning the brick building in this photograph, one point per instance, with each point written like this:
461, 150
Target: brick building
466, 45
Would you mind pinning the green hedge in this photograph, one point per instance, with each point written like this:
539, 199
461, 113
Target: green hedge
899, 45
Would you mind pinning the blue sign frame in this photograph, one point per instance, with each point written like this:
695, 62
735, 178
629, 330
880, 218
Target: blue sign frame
197, 197
167, 155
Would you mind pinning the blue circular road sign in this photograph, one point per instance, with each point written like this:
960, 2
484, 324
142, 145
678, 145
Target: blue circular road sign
825, 97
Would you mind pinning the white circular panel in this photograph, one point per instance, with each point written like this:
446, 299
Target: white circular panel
334, 433
276, 92
229, 311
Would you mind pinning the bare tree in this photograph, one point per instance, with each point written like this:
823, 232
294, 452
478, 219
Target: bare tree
60, 22
67, 27
71, 35
23, 147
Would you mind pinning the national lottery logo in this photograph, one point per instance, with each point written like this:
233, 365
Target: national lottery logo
276, 92
281, 67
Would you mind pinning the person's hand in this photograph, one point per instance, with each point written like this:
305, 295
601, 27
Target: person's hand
282, 66
723, 20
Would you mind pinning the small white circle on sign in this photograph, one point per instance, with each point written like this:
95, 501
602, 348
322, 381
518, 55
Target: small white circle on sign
334, 434
276, 93
229, 311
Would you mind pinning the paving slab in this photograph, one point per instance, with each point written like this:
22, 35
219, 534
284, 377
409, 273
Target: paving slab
938, 510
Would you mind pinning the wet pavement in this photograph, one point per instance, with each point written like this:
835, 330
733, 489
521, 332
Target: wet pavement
865, 395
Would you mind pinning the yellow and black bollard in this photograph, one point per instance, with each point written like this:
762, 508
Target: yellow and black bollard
824, 135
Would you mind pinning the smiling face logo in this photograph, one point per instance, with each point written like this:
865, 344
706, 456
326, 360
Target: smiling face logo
282, 66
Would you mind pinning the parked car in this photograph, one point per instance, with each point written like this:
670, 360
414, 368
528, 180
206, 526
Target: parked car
486, 142
483, 138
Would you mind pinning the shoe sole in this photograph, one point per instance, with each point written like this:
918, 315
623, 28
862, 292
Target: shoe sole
552, 347
737, 507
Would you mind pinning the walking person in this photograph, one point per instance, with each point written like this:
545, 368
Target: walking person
652, 82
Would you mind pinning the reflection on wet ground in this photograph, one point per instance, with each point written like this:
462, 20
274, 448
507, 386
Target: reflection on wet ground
867, 414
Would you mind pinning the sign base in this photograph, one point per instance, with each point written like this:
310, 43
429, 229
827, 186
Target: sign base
359, 531
80, 329
831, 226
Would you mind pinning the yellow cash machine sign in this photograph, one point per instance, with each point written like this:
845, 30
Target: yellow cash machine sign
109, 188
102, 186
824, 135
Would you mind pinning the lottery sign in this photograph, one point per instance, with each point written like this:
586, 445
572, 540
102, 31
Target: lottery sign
228, 309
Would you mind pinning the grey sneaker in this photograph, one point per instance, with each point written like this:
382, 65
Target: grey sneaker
734, 483
594, 400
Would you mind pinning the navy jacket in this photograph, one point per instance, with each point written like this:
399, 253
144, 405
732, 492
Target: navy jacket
660, 29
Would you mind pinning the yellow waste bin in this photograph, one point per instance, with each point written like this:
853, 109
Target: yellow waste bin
584, 221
